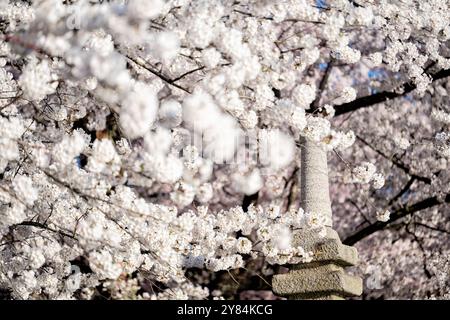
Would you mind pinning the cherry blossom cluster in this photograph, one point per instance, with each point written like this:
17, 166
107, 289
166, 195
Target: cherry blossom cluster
133, 133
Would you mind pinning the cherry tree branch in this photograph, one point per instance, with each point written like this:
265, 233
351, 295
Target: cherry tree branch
395, 162
398, 214
432, 228
45, 227
404, 190
143, 64
367, 101
323, 82
422, 249
187, 73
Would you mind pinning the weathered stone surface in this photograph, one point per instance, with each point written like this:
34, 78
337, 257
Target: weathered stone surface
314, 190
316, 297
328, 249
317, 282
309, 238
332, 251
324, 277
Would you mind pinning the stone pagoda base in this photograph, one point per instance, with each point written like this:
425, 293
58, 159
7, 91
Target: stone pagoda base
325, 276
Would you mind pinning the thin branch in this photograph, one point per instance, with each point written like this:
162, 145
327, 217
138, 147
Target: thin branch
13, 100
366, 219
398, 214
432, 228
305, 21
323, 82
141, 63
395, 161
187, 73
237, 282
367, 101
291, 195
43, 226
422, 249
258, 275
405, 189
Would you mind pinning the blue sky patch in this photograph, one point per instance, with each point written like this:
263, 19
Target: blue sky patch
321, 3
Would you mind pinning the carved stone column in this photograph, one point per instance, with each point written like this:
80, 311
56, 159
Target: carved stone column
324, 277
